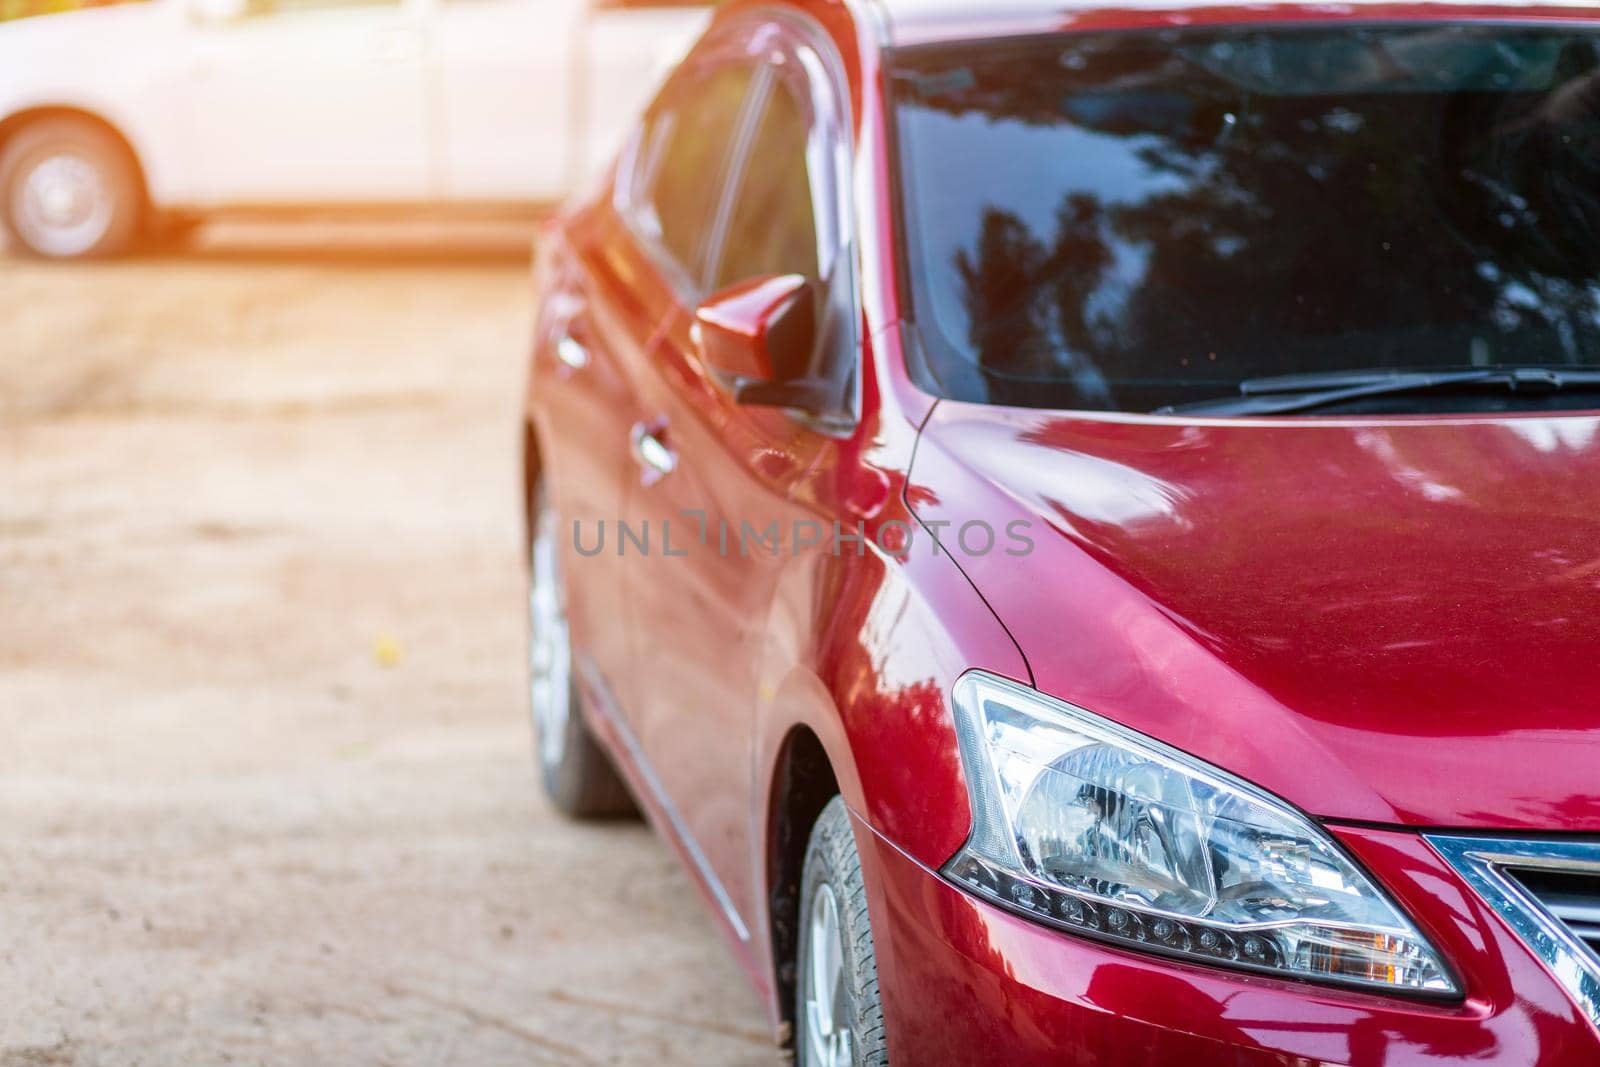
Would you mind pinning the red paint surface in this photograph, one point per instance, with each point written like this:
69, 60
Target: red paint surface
1388, 620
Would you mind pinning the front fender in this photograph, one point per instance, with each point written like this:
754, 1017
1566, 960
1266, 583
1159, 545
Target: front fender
863, 653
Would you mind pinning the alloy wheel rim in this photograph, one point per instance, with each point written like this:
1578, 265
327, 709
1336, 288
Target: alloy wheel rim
827, 1005
63, 205
549, 643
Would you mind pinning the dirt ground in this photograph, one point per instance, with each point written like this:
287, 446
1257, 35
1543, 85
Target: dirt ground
266, 794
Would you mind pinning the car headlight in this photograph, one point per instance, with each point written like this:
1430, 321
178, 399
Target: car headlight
1091, 827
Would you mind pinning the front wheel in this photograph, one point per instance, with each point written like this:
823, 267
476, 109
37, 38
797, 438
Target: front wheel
578, 776
69, 190
838, 1013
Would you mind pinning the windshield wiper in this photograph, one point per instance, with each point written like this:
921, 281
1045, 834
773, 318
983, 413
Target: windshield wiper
1289, 393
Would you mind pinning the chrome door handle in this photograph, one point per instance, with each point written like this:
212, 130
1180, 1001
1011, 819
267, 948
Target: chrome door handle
572, 352
652, 452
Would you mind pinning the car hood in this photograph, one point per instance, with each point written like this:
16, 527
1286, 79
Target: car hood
1396, 621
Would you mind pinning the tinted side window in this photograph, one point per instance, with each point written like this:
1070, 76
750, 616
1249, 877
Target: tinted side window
773, 228
696, 135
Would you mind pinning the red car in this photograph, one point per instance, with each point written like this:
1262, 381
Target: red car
1082, 525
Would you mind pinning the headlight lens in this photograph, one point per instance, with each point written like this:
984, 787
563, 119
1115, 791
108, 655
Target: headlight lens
1086, 825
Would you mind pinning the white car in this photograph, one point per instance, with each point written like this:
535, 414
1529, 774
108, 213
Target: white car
113, 117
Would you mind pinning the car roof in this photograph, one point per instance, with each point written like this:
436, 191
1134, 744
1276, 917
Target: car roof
920, 21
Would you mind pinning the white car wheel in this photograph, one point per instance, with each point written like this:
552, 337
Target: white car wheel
578, 775
838, 1012
549, 643
68, 190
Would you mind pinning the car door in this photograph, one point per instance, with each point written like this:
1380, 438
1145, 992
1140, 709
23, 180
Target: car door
503, 76
714, 488
632, 258
310, 101
582, 397
532, 97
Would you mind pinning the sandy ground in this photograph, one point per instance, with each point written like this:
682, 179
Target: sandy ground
265, 786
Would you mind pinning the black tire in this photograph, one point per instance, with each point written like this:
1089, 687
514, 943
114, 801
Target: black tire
832, 863
585, 784
579, 777
117, 176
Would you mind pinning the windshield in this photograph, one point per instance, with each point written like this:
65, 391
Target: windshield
1139, 220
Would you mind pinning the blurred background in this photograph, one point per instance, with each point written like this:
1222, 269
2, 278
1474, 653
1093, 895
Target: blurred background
266, 793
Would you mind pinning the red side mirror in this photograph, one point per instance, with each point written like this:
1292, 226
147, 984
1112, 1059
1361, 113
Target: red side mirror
761, 330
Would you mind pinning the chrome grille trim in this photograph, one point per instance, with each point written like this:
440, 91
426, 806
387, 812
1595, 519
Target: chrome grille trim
1571, 896
1486, 864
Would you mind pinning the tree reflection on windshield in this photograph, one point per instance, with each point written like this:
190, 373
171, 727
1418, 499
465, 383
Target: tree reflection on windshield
1140, 219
